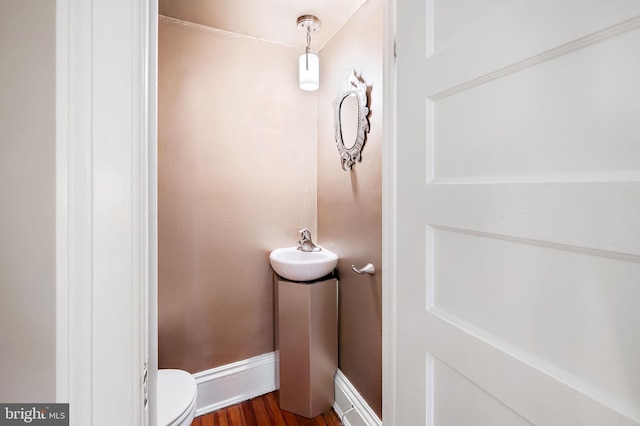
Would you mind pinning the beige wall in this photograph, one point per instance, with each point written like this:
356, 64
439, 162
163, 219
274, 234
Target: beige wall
236, 179
350, 203
27, 194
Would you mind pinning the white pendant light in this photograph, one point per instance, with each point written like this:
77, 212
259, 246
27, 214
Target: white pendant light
309, 71
309, 63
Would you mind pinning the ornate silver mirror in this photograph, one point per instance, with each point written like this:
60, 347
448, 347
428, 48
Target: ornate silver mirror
350, 119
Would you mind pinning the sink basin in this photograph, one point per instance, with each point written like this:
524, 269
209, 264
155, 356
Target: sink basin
296, 265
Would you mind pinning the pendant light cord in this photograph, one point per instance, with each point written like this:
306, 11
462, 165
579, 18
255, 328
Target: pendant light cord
308, 45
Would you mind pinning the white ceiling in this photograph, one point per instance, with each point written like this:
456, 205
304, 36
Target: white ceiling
272, 20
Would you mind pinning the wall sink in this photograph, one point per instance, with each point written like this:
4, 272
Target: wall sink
296, 265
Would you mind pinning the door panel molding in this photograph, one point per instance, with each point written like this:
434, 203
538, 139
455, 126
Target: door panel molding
515, 39
555, 52
493, 364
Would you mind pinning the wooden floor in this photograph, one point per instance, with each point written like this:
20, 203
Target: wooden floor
263, 411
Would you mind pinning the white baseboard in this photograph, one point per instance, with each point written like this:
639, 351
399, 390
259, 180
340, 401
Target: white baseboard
350, 406
234, 383
240, 381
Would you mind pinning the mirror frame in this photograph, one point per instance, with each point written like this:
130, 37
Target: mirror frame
351, 84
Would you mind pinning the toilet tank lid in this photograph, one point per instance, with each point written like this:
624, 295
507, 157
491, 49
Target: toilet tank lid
176, 392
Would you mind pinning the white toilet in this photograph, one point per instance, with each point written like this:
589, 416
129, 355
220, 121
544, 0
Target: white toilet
177, 393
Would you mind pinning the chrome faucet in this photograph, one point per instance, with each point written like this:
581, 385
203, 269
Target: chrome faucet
305, 241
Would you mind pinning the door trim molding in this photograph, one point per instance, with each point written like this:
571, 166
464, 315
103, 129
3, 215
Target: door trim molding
102, 209
389, 181
74, 193
62, 202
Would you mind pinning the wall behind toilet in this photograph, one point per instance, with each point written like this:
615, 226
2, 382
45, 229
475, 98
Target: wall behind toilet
350, 203
236, 178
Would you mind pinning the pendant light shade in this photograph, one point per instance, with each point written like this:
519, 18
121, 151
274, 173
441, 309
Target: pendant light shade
309, 71
309, 64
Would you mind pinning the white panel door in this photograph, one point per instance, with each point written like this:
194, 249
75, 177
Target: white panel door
517, 213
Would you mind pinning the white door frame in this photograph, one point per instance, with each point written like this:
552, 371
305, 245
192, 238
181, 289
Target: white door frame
102, 208
389, 192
